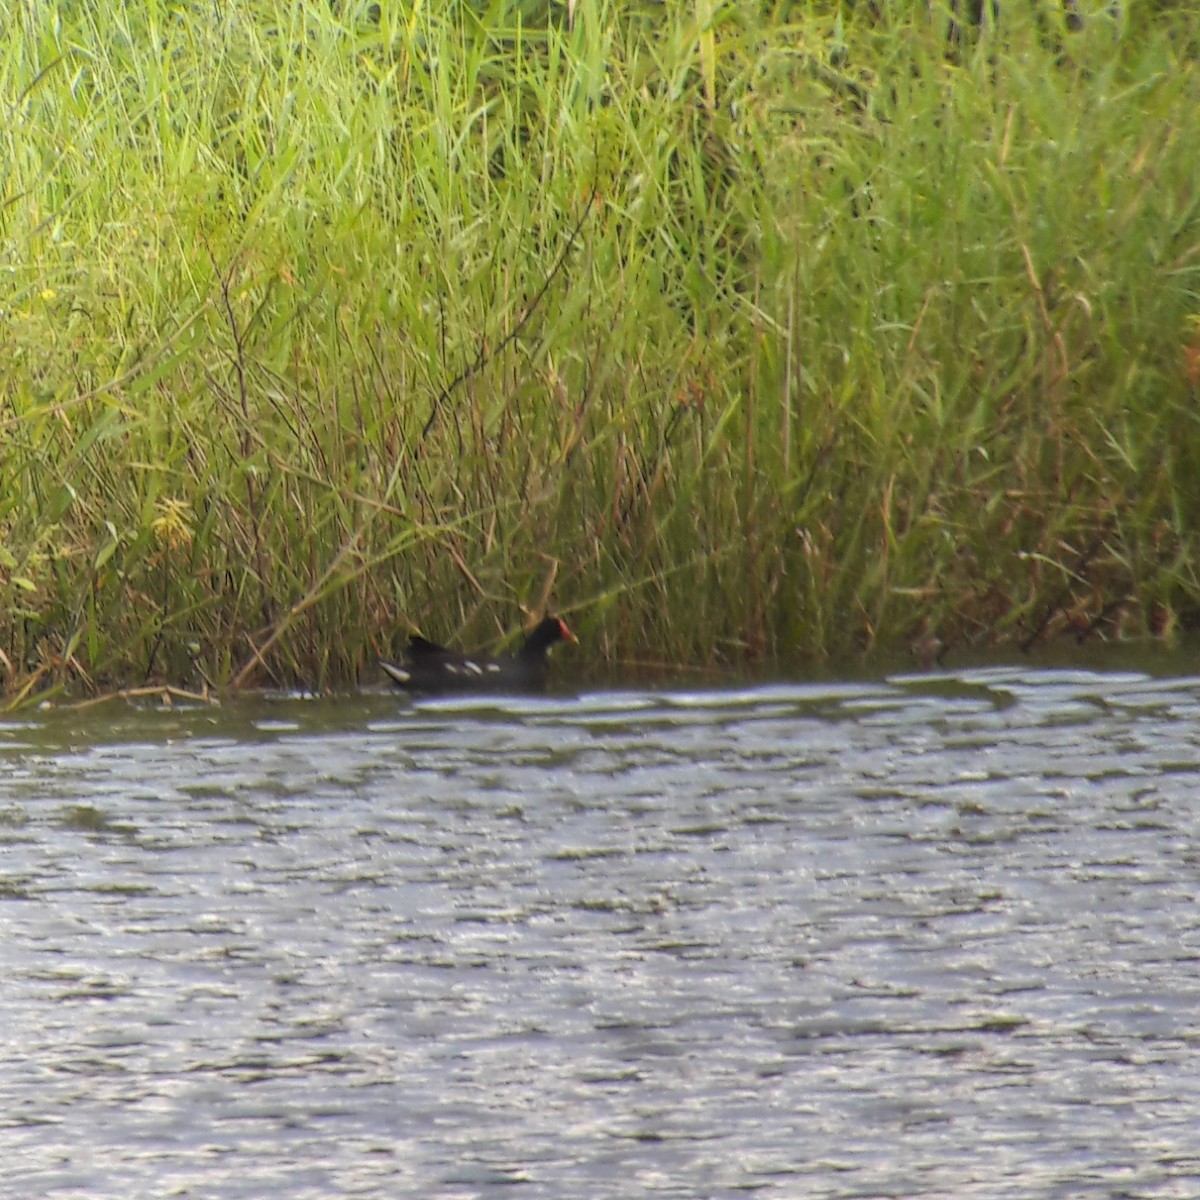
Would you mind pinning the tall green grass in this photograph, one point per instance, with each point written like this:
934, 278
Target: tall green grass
733, 331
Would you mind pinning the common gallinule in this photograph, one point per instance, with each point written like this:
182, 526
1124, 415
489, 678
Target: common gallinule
428, 667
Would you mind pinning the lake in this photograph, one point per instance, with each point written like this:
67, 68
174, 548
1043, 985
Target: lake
926, 935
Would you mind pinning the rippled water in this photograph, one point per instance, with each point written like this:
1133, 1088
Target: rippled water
927, 936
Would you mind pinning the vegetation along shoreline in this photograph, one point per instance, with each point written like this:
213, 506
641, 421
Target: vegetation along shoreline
736, 333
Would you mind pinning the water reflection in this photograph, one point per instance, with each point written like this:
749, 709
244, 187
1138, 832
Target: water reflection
923, 936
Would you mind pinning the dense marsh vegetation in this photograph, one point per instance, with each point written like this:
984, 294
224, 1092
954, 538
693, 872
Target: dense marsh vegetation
736, 331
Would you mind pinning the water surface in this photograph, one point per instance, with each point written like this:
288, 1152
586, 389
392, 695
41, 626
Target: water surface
920, 936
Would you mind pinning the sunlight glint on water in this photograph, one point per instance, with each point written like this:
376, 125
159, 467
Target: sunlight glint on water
928, 936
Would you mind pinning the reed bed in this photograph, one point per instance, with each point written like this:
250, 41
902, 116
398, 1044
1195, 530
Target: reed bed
738, 333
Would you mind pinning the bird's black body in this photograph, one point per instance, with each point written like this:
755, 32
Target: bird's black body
428, 667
